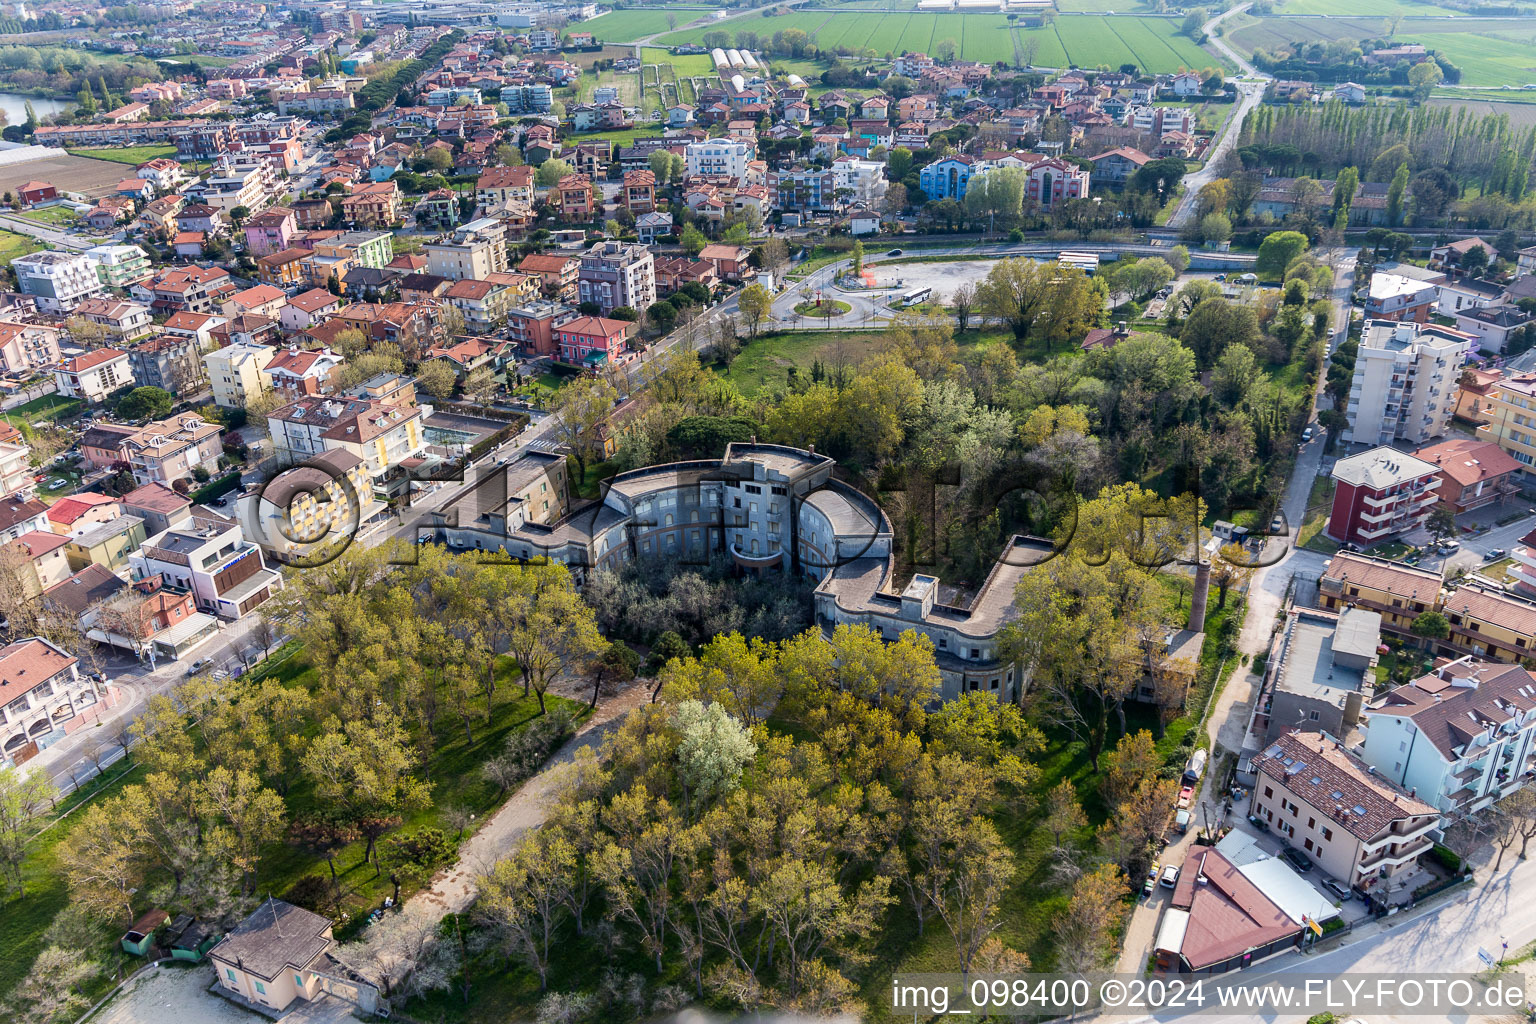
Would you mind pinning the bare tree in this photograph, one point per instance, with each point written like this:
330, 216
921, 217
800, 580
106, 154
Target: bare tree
404, 953
127, 615
963, 302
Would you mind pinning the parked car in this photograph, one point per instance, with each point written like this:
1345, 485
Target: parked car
1306, 435
198, 665
1170, 876
1296, 859
1258, 823
894, 252
1494, 554
1277, 525
1150, 883
1449, 546
1338, 888
1186, 795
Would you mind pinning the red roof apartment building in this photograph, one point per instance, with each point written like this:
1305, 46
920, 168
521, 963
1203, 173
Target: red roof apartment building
1472, 473
591, 340
1381, 493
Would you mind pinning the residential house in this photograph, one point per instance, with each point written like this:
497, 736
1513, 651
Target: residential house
639, 194
557, 273
575, 198
26, 348
1472, 473
383, 435
533, 326
1395, 297
44, 698
730, 261
57, 281
1354, 823
21, 515
1493, 325
307, 309
1448, 256
171, 362
124, 321
1404, 385
94, 375
271, 230
327, 498
614, 274
590, 341
371, 204
1320, 669
108, 544
472, 251
498, 186
1116, 166
296, 373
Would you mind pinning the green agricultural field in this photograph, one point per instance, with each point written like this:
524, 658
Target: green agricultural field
133, 155
1366, 8
1489, 58
627, 26
1152, 43
685, 63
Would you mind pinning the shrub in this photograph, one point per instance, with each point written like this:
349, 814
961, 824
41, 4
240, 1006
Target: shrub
1446, 858
312, 892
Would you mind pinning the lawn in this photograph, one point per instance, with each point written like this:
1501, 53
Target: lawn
13, 245
59, 216
626, 137
686, 64
48, 407
627, 26
764, 363
128, 154
24, 919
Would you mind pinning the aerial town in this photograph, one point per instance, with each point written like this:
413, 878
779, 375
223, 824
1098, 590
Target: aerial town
596, 512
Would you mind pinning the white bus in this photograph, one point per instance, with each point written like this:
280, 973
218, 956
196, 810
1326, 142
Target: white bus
1087, 262
916, 295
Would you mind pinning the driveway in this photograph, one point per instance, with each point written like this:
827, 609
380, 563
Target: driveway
181, 994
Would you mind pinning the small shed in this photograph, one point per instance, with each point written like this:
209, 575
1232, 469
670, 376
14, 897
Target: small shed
138, 938
189, 938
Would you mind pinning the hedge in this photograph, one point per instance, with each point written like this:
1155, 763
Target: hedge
216, 488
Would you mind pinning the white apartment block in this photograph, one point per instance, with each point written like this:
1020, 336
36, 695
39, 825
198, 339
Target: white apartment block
1459, 738
238, 373
614, 274
1405, 383
473, 251
719, 157
57, 281
94, 375
211, 558
864, 179
15, 469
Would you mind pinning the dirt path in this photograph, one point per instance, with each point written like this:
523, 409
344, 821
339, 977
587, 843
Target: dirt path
454, 887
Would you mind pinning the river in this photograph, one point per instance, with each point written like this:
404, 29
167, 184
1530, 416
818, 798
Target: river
15, 106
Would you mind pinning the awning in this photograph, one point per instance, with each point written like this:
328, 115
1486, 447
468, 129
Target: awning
246, 588
187, 629
1170, 934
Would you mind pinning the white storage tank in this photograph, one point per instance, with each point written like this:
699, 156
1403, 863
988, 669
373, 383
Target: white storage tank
749, 60
738, 83
734, 56
718, 56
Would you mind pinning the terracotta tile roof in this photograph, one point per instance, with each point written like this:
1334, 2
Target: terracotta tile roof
1494, 607
1328, 777
1467, 461
157, 498
594, 325
546, 264
26, 664
37, 543
1384, 575
312, 300
80, 364
505, 177
66, 510
470, 288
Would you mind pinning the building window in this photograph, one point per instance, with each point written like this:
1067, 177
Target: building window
1328, 834
230, 971
1269, 791
261, 988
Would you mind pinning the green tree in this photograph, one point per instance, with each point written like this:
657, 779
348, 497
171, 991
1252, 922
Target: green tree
24, 797
898, 163
693, 241
551, 171
1431, 625
1277, 251
1423, 77
583, 410
1395, 193
436, 377
755, 302
145, 403
1215, 227
1442, 523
